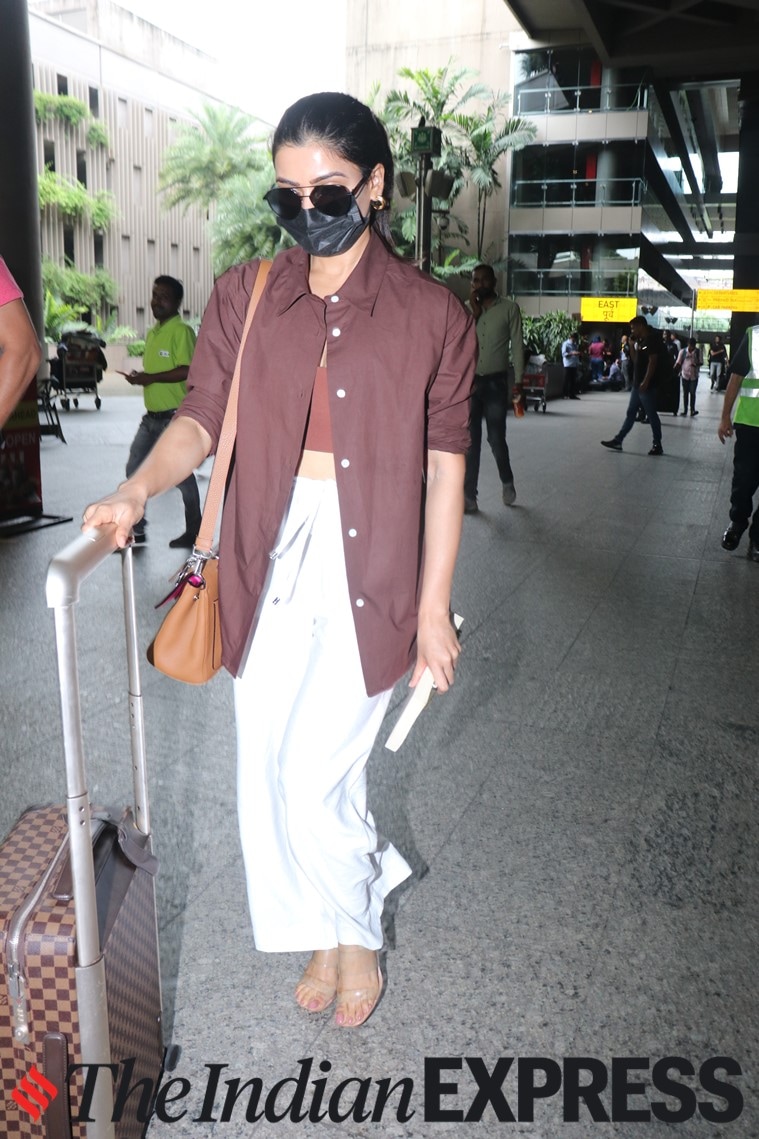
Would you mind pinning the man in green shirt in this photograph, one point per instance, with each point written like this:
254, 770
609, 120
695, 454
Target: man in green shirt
499, 340
169, 346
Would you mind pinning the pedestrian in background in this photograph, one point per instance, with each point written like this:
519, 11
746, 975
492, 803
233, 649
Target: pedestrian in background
169, 347
688, 366
717, 362
500, 342
742, 393
571, 359
647, 348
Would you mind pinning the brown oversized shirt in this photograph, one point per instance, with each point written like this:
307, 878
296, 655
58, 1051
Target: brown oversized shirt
400, 355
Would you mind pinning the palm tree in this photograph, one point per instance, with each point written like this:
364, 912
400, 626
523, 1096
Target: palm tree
472, 141
206, 155
244, 226
485, 138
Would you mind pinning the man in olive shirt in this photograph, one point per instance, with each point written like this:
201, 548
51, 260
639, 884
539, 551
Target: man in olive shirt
169, 346
499, 340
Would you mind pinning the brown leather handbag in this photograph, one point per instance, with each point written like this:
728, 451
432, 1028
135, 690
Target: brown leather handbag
187, 646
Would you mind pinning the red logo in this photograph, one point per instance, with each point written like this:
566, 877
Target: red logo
26, 1092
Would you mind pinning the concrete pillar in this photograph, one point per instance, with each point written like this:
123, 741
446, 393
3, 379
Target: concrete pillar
746, 262
19, 210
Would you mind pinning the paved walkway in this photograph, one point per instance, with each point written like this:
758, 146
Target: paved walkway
580, 811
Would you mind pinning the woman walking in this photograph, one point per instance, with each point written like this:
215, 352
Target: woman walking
339, 534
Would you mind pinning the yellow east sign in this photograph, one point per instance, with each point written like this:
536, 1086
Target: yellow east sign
615, 310
728, 300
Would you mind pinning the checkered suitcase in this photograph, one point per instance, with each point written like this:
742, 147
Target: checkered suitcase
78, 938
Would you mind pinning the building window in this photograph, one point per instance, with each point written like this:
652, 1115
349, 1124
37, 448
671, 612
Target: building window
81, 166
140, 311
98, 245
173, 260
573, 265
68, 244
48, 148
151, 265
122, 116
148, 122
137, 185
95, 102
63, 85
126, 255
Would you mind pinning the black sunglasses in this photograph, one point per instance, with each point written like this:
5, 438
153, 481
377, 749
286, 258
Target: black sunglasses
334, 201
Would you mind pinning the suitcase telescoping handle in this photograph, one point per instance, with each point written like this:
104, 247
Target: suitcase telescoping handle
67, 571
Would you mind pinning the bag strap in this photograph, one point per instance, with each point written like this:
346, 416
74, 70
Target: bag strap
225, 446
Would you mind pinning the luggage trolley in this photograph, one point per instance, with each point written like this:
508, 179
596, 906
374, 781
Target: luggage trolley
78, 367
534, 390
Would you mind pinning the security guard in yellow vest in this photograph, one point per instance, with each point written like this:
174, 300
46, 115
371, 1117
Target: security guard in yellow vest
743, 386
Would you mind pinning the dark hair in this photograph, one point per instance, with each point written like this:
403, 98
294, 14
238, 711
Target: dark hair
176, 287
488, 270
347, 127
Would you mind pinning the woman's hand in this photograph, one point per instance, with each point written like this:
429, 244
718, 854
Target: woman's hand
438, 648
123, 508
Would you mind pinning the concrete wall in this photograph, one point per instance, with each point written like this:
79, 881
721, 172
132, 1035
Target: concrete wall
140, 109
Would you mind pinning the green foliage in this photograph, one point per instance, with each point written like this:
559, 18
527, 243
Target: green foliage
111, 332
60, 317
544, 335
244, 226
81, 290
72, 200
97, 135
136, 348
219, 146
485, 138
102, 210
455, 264
65, 108
472, 141
69, 198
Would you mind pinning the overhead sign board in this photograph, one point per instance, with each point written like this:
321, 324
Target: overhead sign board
614, 310
728, 300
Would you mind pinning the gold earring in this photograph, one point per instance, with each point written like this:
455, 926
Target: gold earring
379, 203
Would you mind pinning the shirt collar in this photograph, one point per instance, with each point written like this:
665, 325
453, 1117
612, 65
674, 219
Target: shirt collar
289, 282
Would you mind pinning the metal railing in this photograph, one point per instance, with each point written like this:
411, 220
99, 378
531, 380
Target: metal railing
572, 282
550, 98
577, 192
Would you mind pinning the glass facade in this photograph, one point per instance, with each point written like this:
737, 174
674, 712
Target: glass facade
577, 174
578, 264
556, 80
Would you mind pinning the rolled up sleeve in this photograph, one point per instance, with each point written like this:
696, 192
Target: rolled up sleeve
448, 400
213, 362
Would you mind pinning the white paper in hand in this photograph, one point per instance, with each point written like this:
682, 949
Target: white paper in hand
416, 703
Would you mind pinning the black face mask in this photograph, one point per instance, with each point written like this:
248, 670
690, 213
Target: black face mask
323, 236
485, 294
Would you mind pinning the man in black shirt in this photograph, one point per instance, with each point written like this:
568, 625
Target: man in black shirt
646, 348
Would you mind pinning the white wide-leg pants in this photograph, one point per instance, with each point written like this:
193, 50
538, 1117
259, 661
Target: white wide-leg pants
317, 873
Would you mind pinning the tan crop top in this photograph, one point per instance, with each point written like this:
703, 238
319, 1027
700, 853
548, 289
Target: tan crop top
319, 429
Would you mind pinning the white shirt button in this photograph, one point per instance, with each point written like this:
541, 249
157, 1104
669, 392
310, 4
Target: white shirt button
335, 331
359, 602
340, 393
334, 299
345, 462
352, 533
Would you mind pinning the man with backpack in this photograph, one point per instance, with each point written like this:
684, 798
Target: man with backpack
648, 357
